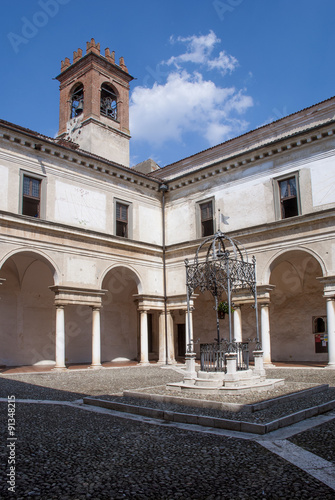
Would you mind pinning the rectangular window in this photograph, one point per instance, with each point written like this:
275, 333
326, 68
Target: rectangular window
121, 220
206, 217
288, 197
286, 193
31, 196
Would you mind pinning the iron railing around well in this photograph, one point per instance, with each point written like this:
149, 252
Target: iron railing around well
213, 356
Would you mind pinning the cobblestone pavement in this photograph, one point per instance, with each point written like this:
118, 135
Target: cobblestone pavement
66, 452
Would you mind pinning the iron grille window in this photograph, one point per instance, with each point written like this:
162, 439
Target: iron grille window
121, 220
206, 215
108, 103
288, 197
31, 196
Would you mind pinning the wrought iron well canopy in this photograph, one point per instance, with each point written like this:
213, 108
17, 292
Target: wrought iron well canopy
221, 266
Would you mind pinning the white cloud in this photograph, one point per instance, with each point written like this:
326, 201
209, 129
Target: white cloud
199, 51
186, 103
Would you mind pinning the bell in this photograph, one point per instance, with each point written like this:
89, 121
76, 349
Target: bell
79, 108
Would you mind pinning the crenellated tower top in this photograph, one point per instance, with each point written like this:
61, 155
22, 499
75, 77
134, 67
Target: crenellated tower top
92, 47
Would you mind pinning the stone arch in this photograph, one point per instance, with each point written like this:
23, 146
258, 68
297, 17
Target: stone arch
119, 318
27, 329
34, 254
295, 301
123, 269
281, 254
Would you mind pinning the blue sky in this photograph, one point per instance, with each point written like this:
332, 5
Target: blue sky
205, 70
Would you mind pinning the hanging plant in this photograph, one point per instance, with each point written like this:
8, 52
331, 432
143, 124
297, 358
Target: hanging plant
223, 309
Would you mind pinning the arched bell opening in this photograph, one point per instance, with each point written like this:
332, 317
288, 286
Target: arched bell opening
109, 102
77, 101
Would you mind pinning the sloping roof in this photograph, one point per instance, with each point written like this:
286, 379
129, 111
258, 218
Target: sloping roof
297, 122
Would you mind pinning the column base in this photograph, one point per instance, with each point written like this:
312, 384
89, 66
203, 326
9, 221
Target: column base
190, 365
144, 363
330, 367
59, 369
95, 367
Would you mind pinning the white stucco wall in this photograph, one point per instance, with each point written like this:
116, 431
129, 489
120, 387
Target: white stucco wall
3, 188
78, 205
323, 181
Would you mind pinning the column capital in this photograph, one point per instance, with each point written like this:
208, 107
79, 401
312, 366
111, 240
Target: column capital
263, 293
328, 286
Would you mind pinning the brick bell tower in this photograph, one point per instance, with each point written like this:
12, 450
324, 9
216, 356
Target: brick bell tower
94, 103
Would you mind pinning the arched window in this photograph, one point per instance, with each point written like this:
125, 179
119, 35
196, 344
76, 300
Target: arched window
77, 101
108, 102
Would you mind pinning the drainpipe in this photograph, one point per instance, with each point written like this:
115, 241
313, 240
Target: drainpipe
163, 188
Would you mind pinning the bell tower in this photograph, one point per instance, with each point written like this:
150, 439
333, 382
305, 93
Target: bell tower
94, 103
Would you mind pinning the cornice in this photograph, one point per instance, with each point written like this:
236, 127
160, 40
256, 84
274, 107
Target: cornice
50, 148
74, 234
92, 59
252, 156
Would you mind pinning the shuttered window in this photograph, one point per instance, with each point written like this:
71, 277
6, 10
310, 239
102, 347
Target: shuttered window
288, 197
31, 196
206, 215
121, 220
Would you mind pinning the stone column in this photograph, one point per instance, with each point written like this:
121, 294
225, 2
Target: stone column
96, 347
186, 328
161, 338
190, 372
170, 338
60, 339
144, 359
265, 333
331, 331
237, 323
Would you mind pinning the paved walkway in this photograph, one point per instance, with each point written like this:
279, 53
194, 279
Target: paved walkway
111, 364
64, 450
